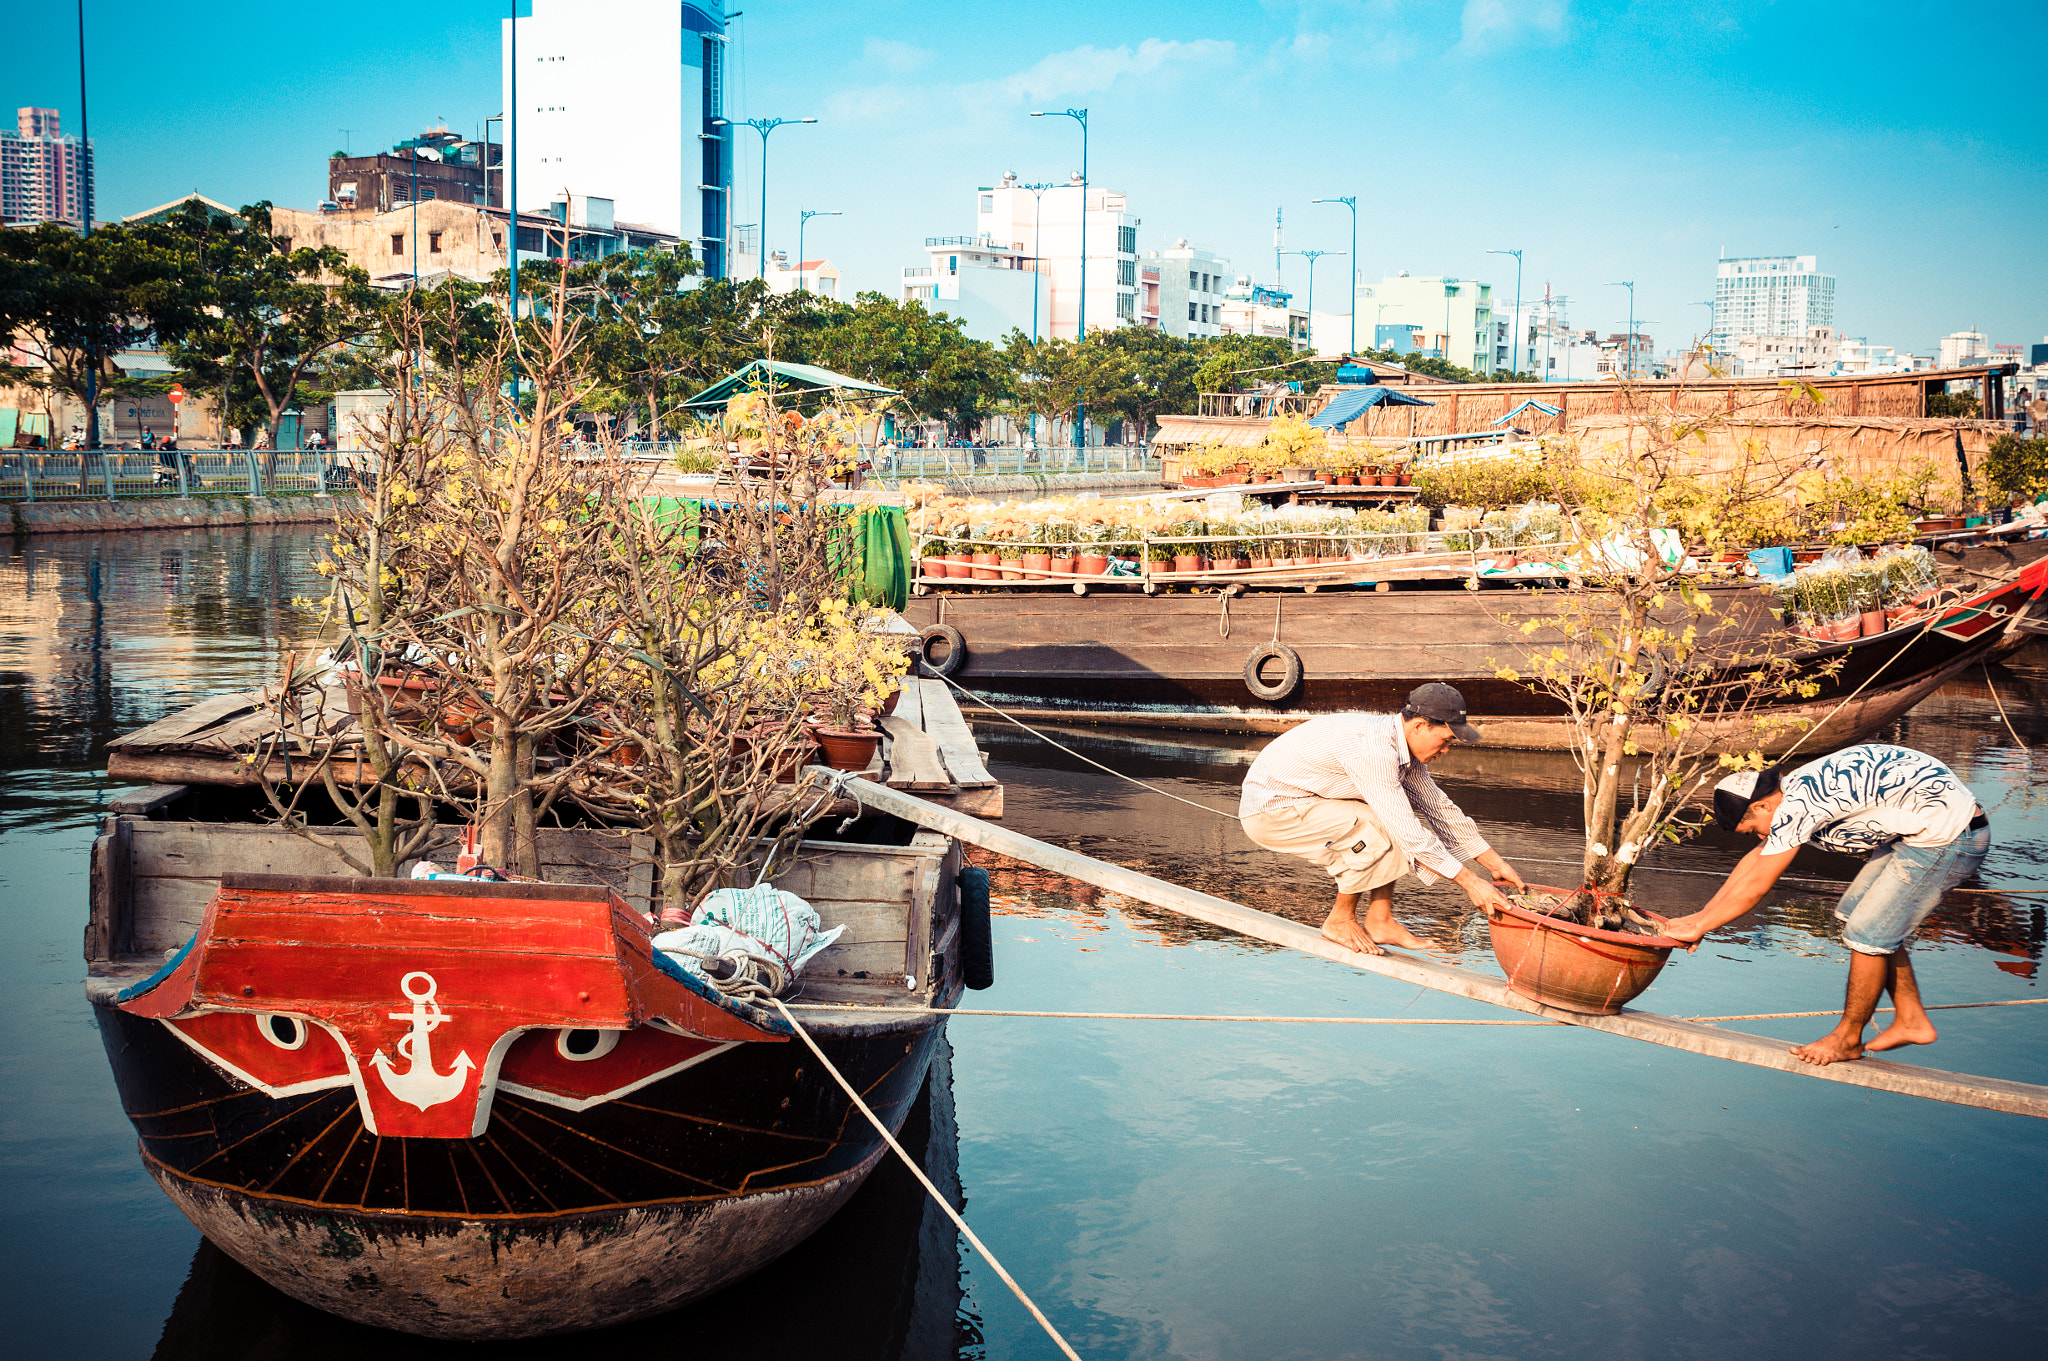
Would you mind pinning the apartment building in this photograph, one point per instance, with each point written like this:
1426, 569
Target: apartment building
45, 176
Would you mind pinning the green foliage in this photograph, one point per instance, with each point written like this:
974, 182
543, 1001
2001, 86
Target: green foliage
943, 373
1953, 405
2016, 468
1238, 363
1488, 483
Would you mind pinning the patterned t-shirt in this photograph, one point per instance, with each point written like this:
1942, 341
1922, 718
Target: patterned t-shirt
1863, 798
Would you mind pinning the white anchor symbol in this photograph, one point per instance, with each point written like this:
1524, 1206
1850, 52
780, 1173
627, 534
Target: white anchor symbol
419, 1085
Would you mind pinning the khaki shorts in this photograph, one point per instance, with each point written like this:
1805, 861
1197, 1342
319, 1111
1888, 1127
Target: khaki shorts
1341, 835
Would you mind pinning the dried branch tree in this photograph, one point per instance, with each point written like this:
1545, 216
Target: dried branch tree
1664, 684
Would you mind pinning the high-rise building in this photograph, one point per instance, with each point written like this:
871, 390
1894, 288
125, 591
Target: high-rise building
1770, 295
619, 99
1441, 317
1192, 282
45, 176
1960, 349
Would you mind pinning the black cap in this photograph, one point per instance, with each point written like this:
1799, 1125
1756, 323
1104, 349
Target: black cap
1734, 795
1439, 703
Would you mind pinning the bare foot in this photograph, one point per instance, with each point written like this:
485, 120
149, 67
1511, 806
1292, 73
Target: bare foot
1833, 1047
1899, 1034
1346, 932
1393, 933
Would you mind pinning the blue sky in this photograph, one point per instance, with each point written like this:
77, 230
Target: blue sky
1901, 142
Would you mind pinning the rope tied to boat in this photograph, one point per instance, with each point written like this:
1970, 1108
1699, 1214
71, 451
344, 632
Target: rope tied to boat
926, 1182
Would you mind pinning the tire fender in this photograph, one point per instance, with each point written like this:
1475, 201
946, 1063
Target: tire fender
1290, 679
977, 937
956, 650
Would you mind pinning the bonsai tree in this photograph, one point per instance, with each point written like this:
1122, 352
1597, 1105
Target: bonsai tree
1664, 687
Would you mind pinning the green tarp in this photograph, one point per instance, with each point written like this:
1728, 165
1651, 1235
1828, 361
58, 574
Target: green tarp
877, 547
785, 377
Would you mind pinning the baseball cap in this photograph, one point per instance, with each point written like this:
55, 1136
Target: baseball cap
1439, 703
1734, 795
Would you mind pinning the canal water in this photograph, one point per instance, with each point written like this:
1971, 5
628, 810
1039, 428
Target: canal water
1163, 1189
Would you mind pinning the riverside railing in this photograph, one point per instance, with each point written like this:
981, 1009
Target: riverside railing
891, 464
113, 475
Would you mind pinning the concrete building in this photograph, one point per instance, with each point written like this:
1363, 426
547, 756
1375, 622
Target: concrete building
818, 277
1770, 295
1854, 355
1961, 348
446, 239
619, 97
1192, 282
1811, 355
1251, 309
45, 176
1453, 318
449, 168
988, 284
1044, 227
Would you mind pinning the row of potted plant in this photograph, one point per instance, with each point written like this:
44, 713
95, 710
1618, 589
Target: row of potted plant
1845, 596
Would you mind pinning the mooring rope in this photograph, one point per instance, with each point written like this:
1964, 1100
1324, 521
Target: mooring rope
926, 1182
1940, 1006
1796, 883
2001, 711
1158, 1016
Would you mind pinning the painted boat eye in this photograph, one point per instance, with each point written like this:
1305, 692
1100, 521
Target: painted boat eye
581, 1046
286, 1032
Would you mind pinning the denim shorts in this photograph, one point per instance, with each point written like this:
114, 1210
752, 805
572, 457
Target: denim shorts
1900, 885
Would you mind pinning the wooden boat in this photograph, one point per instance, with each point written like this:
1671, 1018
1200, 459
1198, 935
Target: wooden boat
493, 1110
1180, 660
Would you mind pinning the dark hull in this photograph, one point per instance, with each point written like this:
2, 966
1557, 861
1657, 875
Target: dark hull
554, 1219
1178, 661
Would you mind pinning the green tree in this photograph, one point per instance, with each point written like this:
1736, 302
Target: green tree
72, 303
943, 373
1139, 373
276, 315
1049, 375
1237, 363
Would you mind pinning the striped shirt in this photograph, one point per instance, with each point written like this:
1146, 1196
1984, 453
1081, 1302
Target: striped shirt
1365, 757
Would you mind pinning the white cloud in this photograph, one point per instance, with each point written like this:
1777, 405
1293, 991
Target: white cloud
1492, 24
1087, 70
898, 59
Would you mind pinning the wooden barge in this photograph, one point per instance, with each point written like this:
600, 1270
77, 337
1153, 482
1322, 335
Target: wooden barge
1366, 634
494, 1110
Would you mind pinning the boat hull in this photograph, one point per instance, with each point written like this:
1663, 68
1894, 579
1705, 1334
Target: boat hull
554, 1220
1179, 661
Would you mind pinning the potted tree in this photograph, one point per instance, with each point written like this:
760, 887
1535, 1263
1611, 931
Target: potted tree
1663, 693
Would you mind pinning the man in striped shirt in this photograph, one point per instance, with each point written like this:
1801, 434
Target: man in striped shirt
1351, 794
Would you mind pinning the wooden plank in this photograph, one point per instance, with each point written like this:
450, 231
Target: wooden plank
147, 803
843, 878
640, 880
913, 756
185, 722
205, 851
879, 960
1963, 1089
164, 912
910, 707
945, 726
977, 803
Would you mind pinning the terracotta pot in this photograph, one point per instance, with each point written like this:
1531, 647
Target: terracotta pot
1404, 480
1091, 564
959, 567
1064, 567
1013, 568
1240, 564
985, 567
846, 749
1873, 623
1036, 565
1244, 467
1899, 616
1183, 563
1348, 480
1258, 562
788, 763
1846, 630
1575, 968
895, 698
1258, 478
931, 567
1325, 478
1390, 479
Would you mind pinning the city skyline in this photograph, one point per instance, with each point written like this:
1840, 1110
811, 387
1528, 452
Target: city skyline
1604, 141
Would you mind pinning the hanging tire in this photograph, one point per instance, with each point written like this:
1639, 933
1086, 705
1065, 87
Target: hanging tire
1290, 673
977, 937
956, 650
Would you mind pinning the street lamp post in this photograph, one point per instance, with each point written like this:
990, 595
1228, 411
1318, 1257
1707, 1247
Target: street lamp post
1711, 307
1630, 339
1081, 326
1312, 256
413, 144
92, 375
1350, 202
1515, 354
803, 216
764, 126
512, 190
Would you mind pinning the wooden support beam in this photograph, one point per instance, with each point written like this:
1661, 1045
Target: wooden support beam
1961, 1089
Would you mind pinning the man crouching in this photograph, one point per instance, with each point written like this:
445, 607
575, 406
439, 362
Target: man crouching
1351, 793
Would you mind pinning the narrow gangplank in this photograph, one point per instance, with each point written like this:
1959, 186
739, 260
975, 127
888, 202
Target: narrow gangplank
1962, 1089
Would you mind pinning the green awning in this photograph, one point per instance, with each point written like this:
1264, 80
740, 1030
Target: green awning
785, 377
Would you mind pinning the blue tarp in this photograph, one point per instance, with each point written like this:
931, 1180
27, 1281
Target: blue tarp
1544, 407
1347, 407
